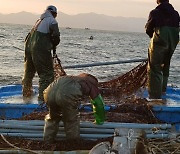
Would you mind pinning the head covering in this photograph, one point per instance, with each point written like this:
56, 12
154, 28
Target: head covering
162, 1
52, 8
89, 77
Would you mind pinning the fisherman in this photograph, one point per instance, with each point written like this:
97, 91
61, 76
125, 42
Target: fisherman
163, 29
63, 96
43, 37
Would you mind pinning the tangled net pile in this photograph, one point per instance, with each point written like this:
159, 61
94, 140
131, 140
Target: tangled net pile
124, 85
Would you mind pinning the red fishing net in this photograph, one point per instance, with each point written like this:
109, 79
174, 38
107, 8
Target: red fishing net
126, 84
121, 86
58, 70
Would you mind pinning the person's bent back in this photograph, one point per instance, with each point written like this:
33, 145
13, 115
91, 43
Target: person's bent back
63, 98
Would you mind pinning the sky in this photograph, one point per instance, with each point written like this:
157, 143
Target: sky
124, 8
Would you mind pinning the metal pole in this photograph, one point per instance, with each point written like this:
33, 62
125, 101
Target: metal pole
105, 63
83, 124
98, 63
85, 136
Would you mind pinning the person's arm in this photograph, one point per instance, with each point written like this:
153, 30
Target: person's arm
55, 34
149, 27
96, 100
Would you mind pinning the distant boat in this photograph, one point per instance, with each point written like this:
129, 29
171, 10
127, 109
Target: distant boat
68, 27
87, 29
91, 37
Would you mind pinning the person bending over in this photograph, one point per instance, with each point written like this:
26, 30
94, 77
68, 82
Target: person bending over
63, 97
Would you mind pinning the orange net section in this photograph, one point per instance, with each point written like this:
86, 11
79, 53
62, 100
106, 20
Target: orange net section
126, 84
58, 70
120, 87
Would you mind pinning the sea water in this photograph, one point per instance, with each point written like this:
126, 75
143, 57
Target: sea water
76, 48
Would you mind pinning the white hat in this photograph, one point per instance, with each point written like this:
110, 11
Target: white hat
52, 8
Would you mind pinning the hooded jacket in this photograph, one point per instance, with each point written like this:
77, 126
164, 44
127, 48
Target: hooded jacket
48, 24
44, 34
163, 15
71, 88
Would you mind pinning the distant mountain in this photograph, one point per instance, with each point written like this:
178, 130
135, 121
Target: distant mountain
19, 18
84, 20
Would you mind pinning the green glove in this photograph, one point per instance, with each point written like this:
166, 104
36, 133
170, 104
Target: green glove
98, 109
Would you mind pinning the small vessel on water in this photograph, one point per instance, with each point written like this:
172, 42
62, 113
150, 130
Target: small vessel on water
91, 37
68, 27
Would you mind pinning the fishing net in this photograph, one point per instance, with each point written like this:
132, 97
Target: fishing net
125, 92
58, 70
126, 84
120, 87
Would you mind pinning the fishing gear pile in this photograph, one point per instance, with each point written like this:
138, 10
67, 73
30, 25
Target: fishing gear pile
119, 87
125, 93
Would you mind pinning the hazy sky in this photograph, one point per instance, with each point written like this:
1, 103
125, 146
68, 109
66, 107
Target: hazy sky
125, 8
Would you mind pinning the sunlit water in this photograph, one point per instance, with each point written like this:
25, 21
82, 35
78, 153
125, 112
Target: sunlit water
18, 99
76, 48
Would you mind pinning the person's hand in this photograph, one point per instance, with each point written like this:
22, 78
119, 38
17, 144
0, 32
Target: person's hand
55, 55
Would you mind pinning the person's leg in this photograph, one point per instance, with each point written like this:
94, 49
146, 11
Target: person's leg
44, 66
71, 120
154, 82
154, 70
51, 126
173, 39
165, 74
29, 72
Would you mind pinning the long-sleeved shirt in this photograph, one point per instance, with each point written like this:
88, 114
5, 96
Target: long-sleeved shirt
163, 15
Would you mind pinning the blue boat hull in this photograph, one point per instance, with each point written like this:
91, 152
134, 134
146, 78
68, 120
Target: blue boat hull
166, 113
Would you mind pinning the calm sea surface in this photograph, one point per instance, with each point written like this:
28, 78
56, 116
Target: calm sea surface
77, 48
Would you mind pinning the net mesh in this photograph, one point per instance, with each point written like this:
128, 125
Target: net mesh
126, 84
122, 86
123, 93
58, 70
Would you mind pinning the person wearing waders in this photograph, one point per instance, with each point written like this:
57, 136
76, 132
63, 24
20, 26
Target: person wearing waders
43, 37
63, 97
163, 29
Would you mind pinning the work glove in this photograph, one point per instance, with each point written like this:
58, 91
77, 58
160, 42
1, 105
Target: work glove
98, 109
